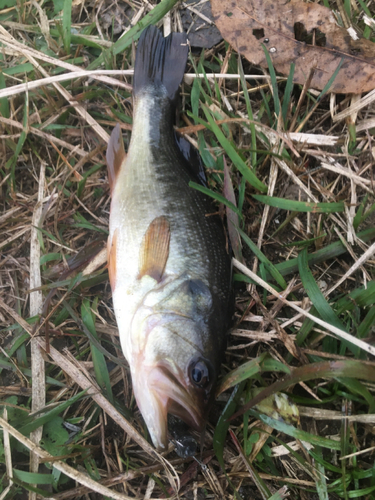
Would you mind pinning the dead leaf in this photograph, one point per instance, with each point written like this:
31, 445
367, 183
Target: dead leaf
302, 33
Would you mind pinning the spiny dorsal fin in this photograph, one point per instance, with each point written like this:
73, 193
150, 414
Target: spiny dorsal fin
193, 159
111, 258
115, 155
154, 250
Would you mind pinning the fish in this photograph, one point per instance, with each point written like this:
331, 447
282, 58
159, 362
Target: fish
168, 263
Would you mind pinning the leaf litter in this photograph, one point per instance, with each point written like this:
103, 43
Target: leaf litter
306, 34
305, 329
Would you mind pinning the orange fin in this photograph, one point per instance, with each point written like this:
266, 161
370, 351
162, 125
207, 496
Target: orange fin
111, 251
154, 251
115, 155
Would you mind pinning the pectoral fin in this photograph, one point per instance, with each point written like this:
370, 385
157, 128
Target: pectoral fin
154, 250
115, 155
111, 251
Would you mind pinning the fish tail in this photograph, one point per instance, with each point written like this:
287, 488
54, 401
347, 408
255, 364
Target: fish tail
160, 61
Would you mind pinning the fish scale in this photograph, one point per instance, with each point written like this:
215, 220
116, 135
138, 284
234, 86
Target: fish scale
169, 268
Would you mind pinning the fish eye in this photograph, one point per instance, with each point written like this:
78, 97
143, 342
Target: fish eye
199, 374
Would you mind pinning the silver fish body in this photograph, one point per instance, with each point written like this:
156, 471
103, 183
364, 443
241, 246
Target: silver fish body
169, 268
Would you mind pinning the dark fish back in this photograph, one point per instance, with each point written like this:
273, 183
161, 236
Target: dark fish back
195, 224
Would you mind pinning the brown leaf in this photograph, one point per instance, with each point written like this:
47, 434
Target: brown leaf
304, 33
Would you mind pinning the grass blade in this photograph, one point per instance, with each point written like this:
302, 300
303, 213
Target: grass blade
216, 196
4, 103
287, 93
300, 206
275, 89
331, 369
313, 291
268, 265
100, 365
67, 25
258, 481
32, 477
329, 252
233, 155
249, 114
223, 423
11, 163
33, 423
243, 372
290, 430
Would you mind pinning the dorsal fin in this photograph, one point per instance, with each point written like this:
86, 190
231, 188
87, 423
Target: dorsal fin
111, 258
193, 158
154, 250
115, 155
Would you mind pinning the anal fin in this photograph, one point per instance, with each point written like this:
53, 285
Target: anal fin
154, 250
115, 155
111, 252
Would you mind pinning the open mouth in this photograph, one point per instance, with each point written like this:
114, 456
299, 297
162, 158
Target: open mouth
159, 391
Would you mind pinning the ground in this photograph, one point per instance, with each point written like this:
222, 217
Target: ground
304, 245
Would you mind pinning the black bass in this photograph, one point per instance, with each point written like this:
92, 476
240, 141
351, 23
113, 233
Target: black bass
169, 269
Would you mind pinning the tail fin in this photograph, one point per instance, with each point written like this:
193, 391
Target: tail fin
160, 60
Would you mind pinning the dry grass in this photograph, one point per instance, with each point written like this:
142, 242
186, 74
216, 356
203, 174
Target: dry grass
304, 325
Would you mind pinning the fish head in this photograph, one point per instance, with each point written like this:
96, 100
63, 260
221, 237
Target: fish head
175, 370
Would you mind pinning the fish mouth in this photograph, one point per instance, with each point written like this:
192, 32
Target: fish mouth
162, 389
